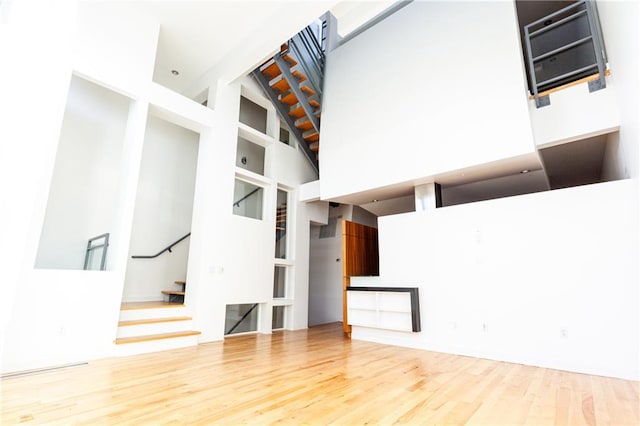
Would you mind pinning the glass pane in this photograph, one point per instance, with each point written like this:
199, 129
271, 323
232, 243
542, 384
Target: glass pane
247, 200
281, 225
277, 320
253, 115
241, 318
285, 136
279, 282
94, 259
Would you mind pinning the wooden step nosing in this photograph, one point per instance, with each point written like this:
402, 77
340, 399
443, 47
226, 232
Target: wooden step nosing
128, 323
172, 292
153, 337
160, 305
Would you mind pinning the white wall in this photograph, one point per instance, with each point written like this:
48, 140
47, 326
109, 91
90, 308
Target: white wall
619, 21
29, 138
433, 88
529, 268
325, 277
62, 317
164, 206
575, 113
231, 257
40, 300
113, 47
325, 265
83, 193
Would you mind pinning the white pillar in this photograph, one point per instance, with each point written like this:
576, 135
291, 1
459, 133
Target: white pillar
36, 51
427, 196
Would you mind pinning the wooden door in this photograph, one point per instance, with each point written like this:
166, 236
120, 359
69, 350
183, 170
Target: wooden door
359, 257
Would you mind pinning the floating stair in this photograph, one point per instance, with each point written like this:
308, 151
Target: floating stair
293, 81
153, 326
176, 296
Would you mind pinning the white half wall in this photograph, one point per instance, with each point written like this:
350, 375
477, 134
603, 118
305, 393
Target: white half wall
619, 21
63, 317
32, 104
431, 89
547, 279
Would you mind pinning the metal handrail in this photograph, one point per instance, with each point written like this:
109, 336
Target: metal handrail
237, 203
242, 319
311, 38
309, 63
179, 240
167, 248
594, 37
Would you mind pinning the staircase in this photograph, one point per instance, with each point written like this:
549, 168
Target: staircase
292, 80
153, 326
176, 296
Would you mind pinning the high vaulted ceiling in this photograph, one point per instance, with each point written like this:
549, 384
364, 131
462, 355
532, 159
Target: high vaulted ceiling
198, 36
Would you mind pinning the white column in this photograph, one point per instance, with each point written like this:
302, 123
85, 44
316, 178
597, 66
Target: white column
427, 196
128, 187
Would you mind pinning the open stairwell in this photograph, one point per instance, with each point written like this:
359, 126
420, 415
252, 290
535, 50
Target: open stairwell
292, 80
153, 326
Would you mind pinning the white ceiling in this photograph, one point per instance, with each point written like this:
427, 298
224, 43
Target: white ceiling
196, 36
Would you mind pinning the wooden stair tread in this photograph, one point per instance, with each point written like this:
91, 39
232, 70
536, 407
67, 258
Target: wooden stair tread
305, 125
180, 282
151, 337
308, 90
152, 321
176, 293
297, 113
281, 85
128, 306
272, 71
313, 137
299, 76
314, 103
586, 79
292, 62
314, 148
289, 99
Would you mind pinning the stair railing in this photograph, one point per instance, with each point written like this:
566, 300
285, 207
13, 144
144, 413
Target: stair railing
179, 240
573, 31
232, 329
167, 248
93, 245
307, 50
237, 203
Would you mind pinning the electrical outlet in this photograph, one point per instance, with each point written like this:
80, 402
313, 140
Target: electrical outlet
485, 327
564, 333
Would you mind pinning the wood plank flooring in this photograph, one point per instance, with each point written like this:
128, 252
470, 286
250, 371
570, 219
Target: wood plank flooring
314, 376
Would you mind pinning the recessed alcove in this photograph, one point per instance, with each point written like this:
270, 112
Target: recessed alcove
83, 195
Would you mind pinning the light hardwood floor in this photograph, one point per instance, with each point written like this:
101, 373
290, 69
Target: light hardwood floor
314, 376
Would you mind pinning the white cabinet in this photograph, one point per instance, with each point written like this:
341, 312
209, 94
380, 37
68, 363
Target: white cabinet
391, 308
